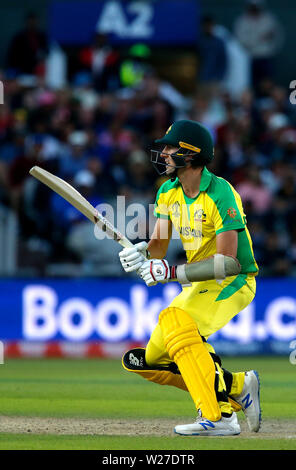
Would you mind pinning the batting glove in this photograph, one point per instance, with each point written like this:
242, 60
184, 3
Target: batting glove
156, 270
133, 258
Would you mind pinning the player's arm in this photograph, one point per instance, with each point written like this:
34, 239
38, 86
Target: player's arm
219, 266
133, 258
226, 243
160, 239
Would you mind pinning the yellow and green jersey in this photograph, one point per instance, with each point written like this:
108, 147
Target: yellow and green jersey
217, 208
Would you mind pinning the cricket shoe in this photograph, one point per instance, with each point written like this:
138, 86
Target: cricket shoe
249, 400
205, 427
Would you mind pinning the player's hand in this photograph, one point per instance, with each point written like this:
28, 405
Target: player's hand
133, 258
154, 271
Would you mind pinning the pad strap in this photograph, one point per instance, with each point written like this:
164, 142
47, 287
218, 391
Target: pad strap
219, 267
181, 275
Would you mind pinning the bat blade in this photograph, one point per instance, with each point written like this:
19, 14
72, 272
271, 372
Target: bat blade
71, 195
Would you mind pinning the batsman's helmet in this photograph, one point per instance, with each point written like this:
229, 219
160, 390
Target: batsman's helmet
192, 140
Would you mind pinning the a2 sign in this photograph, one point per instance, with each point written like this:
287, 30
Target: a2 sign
165, 23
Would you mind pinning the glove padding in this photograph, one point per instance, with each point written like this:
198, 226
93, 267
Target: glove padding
154, 271
133, 258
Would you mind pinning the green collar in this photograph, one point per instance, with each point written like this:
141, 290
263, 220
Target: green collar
206, 177
205, 180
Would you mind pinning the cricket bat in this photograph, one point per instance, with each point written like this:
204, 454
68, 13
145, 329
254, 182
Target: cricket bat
71, 195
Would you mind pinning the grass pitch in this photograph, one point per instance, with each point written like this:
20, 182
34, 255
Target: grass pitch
95, 404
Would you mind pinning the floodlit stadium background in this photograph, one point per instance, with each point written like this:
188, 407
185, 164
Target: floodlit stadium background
85, 97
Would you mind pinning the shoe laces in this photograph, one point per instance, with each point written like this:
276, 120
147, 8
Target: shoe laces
200, 419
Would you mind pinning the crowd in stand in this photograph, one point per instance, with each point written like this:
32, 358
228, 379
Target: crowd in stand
96, 133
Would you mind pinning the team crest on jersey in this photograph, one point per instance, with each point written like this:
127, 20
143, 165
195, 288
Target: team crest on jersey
231, 212
199, 216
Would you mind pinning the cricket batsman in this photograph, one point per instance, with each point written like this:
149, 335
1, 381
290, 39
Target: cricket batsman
218, 282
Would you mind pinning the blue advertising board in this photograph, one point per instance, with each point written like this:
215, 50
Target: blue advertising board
124, 310
161, 23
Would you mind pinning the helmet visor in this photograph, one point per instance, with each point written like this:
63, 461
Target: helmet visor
161, 164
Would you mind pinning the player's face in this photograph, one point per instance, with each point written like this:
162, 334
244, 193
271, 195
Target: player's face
166, 154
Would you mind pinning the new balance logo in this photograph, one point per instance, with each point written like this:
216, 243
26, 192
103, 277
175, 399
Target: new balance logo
207, 424
247, 400
134, 360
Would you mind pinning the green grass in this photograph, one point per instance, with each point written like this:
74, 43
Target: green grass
102, 389
52, 442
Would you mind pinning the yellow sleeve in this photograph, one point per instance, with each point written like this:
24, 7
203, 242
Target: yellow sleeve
228, 211
161, 208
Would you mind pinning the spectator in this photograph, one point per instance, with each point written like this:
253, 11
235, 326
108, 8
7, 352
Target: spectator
76, 157
28, 48
212, 54
103, 60
285, 204
139, 178
20, 166
236, 80
253, 193
135, 66
105, 184
275, 261
259, 31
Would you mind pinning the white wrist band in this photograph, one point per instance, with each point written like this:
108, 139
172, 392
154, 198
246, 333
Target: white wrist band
219, 266
181, 275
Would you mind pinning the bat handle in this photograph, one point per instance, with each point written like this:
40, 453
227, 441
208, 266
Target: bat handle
126, 243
